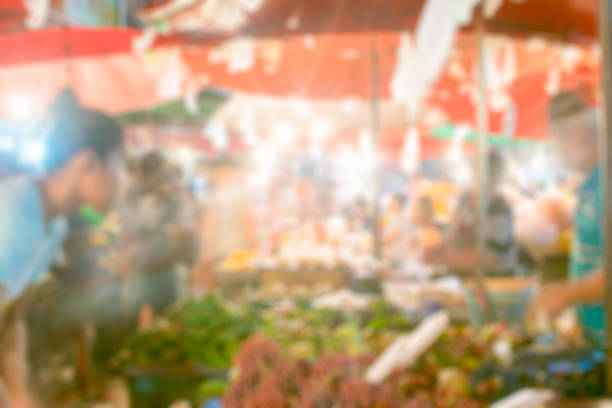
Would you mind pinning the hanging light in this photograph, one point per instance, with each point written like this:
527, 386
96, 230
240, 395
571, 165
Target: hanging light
283, 133
32, 153
411, 151
455, 153
319, 130
18, 106
7, 144
248, 128
216, 132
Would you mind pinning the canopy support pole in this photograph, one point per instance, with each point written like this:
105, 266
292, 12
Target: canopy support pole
375, 134
483, 167
122, 13
605, 148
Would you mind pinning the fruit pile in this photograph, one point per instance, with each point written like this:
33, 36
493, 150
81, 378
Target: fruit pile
272, 374
269, 378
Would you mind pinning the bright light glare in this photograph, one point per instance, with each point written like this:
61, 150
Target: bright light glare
411, 150
319, 130
32, 153
463, 175
540, 164
455, 153
283, 134
217, 133
6, 144
302, 108
349, 106
265, 156
248, 128
18, 106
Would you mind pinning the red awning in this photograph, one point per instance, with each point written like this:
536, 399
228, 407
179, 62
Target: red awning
523, 74
12, 15
26, 47
573, 20
565, 19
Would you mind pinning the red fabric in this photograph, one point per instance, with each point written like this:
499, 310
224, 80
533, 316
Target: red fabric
335, 66
12, 15
26, 47
113, 83
565, 19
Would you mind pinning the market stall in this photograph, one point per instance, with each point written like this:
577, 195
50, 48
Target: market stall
329, 121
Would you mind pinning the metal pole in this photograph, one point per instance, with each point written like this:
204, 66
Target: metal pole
375, 134
122, 13
605, 148
483, 168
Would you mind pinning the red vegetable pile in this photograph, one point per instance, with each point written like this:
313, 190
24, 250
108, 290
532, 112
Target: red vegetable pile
269, 379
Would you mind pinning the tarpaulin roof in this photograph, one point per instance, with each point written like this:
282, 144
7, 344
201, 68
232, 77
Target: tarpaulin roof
12, 15
331, 65
115, 83
53, 43
521, 74
566, 19
24, 47
101, 66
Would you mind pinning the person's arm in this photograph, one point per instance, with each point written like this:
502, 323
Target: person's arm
554, 298
455, 258
590, 289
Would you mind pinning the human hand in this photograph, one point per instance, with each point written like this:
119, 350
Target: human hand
551, 301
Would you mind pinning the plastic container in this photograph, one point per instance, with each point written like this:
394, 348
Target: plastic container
508, 299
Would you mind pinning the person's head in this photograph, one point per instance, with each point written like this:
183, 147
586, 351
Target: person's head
574, 128
397, 202
151, 173
423, 212
84, 154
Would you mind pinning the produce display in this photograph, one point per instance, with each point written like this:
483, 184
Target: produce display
208, 332
308, 333
269, 378
573, 373
273, 374
203, 332
293, 354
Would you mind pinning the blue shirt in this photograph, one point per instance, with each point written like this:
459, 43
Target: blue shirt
27, 244
588, 252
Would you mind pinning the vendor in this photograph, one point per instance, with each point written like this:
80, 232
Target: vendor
459, 251
574, 125
425, 233
83, 156
158, 234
